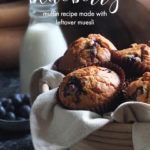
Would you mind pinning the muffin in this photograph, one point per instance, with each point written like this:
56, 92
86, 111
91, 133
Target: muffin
138, 52
86, 51
135, 60
89, 88
139, 90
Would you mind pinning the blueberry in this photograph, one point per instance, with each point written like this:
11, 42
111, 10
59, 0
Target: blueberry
10, 116
133, 58
109, 71
24, 111
2, 100
92, 51
10, 108
2, 112
21, 95
26, 99
74, 86
139, 91
17, 99
6, 102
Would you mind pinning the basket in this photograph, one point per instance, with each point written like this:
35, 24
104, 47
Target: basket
113, 136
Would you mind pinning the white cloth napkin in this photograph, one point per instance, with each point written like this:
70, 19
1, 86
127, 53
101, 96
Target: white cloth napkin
55, 128
139, 113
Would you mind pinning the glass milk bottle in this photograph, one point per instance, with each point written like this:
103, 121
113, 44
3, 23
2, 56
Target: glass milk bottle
43, 42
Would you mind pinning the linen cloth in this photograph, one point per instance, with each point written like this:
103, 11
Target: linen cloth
55, 128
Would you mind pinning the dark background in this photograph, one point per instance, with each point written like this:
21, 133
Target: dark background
112, 26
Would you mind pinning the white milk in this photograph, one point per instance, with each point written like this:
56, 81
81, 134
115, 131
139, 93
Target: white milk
43, 44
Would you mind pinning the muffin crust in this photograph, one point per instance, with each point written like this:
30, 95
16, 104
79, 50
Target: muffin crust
86, 51
137, 53
88, 87
139, 90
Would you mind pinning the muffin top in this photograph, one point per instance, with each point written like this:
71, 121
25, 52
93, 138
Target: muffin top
139, 90
105, 43
86, 51
137, 53
88, 87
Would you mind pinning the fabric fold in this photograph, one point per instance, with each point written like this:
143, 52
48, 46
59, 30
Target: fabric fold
55, 128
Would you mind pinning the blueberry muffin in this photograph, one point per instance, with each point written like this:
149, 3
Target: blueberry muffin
86, 51
137, 53
135, 60
89, 88
139, 90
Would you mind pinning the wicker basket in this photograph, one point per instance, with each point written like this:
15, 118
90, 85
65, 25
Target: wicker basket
114, 136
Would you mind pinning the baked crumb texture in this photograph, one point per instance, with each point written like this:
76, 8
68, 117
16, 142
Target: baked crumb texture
88, 87
139, 90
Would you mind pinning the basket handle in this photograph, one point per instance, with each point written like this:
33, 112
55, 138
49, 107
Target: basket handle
44, 88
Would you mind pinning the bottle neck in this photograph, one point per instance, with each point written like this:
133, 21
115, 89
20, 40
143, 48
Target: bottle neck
42, 13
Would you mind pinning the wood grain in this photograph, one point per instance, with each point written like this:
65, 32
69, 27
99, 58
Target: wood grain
88, 145
14, 14
114, 136
10, 44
